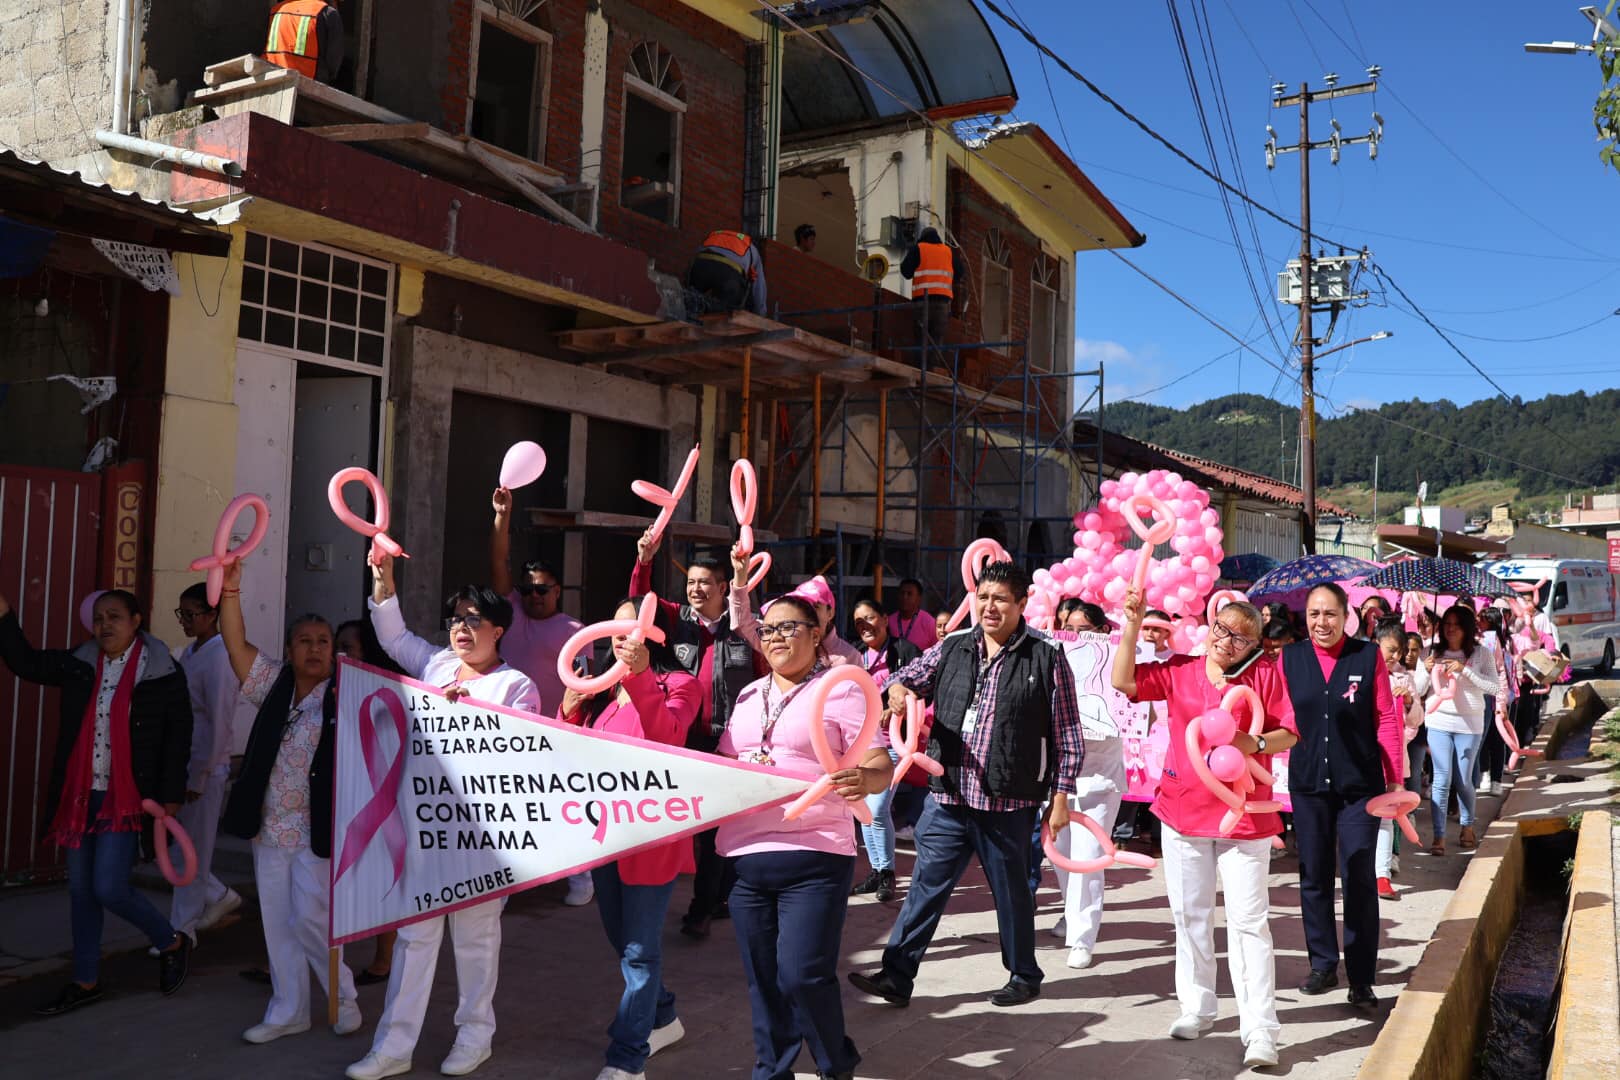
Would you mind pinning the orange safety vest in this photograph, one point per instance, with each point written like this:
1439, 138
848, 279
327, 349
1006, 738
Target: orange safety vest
293, 42
935, 273
735, 242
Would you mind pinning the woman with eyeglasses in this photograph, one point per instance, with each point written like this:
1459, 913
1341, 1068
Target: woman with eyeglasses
1456, 724
656, 700
1195, 849
881, 653
476, 617
793, 877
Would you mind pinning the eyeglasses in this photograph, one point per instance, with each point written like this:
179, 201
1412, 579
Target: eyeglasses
531, 589
185, 615
473, 621
1222, 632
786, 629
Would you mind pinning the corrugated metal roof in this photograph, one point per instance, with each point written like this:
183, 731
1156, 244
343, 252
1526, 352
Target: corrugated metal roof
17, 161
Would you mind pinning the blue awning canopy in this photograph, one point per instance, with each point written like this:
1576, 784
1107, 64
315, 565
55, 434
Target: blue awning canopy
936, 56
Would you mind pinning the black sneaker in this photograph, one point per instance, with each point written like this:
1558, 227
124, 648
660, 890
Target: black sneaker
173, 965
1320, 982
696, 929
723, 911
885, 886
880, 985
1363, 999
72, 997
870, 885
1015, 993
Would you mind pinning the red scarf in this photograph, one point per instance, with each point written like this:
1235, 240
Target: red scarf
121, 807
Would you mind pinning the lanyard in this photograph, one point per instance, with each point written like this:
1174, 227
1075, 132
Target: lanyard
767, 730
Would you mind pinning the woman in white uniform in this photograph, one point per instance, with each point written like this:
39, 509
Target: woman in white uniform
476, 617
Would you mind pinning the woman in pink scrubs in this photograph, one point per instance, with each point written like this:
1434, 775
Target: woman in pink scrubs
1194, 848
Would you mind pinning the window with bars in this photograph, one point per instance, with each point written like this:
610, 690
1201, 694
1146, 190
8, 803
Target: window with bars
996, 307
654, 111
315, 300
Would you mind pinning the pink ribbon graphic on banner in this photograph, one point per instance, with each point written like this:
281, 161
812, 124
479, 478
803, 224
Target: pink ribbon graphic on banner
381, 812
224, 555
979, 554
381, 543
667, 501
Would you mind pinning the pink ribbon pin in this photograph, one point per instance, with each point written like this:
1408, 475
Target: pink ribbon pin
641, 628
224, 555
744, 504
381, 812
667, 501
830, 762
163, 828
1350, 694
905, 742
979, 554
381, 543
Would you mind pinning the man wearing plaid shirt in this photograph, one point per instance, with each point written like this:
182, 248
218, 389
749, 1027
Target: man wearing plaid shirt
1007, 731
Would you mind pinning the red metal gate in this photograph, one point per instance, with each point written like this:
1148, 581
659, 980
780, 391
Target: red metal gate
50, 524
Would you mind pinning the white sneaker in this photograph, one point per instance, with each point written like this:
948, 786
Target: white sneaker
581, 890
219, 909
1079, 957
464, 1059
1061, 930
1485, 786
263, 1033
1261, 1052
375, 1066
610, 1073
1394, 865
349, 1019
1188, 1026
665, 1037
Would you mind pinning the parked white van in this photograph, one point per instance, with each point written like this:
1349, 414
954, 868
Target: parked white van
1581, 606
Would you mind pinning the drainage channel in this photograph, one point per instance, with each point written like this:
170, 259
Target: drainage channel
1519, 1038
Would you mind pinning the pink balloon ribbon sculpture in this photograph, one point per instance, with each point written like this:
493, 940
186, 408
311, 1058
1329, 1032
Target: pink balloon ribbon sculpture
1399, 806
163, 828
524, 463
667, 501
979, 554
904, 742
831, 763
1152, 536
642, 628
1511, 738
1445, 687
1220, 599
1230, 774
381, 543
1111, 855
744, 504
224, 555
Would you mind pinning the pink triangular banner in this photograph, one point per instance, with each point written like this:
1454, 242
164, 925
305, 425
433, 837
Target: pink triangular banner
441, 804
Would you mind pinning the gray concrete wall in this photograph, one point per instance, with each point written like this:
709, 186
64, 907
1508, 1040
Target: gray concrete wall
55, 76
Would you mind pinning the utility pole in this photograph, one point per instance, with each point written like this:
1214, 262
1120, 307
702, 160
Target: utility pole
1312, 290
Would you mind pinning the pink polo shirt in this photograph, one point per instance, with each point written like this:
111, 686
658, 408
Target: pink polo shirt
1183, 802
827, 826
919, 629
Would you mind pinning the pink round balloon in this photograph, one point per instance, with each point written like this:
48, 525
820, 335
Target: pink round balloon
1227, 763
1219, 726
523, 464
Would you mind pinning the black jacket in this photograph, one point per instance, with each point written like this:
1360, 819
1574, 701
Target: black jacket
732, 667
159, 711
898, 652
1338, 750
244, 809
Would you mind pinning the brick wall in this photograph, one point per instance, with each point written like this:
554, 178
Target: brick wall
55, 76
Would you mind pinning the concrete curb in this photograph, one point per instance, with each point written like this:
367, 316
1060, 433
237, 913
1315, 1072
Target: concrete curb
1589, 997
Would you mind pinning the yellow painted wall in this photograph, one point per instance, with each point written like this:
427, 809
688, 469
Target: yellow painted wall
196, 474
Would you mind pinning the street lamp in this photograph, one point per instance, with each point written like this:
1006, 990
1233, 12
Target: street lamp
1359, 341
1602, 30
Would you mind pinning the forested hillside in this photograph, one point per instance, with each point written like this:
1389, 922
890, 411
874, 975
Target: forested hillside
1576, 436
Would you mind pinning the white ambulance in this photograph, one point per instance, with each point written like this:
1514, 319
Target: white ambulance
1580, 606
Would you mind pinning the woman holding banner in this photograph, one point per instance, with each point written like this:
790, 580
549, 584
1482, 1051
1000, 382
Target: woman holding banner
793, 877
476, 617
282, 801
1195, 849
656, 701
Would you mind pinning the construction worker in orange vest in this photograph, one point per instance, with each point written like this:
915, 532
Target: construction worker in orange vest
933, 268
727, 274
306, 36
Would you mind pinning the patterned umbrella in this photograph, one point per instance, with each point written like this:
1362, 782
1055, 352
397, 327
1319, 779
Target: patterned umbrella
1309, 571
1247, 567
1441, 577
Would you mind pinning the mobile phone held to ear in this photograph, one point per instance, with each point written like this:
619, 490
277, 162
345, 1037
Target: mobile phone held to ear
1243, 665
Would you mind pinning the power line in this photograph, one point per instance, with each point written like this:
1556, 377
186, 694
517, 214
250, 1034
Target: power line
1523, 340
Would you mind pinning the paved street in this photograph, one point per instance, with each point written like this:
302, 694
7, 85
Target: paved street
559, 982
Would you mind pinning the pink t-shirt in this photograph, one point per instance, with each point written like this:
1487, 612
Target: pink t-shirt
828, 825
919, 629
1183, 802
531, 646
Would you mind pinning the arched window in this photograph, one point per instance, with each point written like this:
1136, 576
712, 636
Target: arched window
995, 324
1046, 312
654, 109
509, 74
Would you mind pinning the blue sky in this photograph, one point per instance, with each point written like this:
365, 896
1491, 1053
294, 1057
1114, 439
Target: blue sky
1535, 257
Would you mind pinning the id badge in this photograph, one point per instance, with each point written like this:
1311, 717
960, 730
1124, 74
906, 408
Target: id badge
760, 757
970, 720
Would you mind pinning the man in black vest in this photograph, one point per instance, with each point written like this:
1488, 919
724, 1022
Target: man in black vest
1350, 749
1007, 730
701, 635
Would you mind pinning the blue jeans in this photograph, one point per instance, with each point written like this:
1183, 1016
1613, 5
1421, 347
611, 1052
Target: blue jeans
98, 880
1453, 757
633, 916
788, 910
879, 836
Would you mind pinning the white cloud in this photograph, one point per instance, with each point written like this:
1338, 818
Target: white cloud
1127, 370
